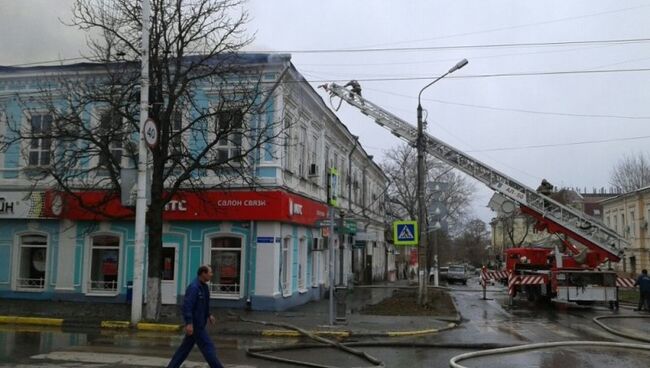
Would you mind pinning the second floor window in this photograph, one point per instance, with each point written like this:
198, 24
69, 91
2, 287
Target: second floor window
112, 130
229, 132
40, 146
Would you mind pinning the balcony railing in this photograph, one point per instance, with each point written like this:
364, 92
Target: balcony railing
103, 286
31, 284
225, 289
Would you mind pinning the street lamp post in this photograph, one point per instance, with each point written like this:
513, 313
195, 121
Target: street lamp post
422, 223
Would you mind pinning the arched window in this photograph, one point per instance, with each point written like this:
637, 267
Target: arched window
225, 258
104, 263
33, 262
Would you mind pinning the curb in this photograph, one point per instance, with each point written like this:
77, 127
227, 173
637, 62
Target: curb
35, 321
160, 327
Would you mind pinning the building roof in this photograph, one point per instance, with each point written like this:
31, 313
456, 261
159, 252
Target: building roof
241, 58
623, 195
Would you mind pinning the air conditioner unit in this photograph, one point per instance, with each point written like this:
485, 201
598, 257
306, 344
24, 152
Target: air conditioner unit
313, 170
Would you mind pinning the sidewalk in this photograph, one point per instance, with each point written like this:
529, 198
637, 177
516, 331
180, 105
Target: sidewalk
312, 317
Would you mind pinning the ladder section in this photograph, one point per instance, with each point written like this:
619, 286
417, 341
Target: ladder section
577, 225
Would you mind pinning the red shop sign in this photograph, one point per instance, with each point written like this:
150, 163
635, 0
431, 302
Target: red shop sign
204, 206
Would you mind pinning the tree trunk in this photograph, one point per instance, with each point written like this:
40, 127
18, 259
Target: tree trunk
155, 222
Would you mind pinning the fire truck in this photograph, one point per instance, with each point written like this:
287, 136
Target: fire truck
577, 271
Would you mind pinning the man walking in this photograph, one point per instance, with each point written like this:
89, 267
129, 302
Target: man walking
643, 282
196, 314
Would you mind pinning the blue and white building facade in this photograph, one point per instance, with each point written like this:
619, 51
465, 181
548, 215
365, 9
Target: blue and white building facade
266, 245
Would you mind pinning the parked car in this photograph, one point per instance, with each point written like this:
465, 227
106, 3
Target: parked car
442, 274
457, 273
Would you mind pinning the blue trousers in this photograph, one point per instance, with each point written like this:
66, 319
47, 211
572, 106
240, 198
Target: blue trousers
201, 338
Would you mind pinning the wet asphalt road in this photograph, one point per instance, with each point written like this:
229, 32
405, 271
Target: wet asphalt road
483, 322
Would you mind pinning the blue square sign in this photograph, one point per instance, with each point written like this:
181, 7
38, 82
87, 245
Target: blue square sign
405, 233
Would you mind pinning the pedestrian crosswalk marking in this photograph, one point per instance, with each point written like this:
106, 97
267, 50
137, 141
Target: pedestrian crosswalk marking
406, 234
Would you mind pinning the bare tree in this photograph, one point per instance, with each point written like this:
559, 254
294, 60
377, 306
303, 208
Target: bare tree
401, 169
93, 114
631, 172
471, 244
512, 222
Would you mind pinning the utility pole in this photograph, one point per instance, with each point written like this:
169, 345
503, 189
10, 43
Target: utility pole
141, 202
422, 222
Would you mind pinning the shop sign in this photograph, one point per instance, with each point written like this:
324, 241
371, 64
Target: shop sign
204, 206
20, 205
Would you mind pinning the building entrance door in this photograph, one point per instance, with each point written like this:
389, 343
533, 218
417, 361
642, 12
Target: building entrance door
169, 282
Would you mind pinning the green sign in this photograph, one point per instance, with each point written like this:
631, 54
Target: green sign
405, 233
349, 226
333, 187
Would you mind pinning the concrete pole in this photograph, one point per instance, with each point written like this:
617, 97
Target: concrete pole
332, 259
422, 223
141, 203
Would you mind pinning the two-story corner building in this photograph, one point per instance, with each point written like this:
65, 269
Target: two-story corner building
629, 215
266, 244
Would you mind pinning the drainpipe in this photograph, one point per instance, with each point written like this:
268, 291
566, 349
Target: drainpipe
252, 235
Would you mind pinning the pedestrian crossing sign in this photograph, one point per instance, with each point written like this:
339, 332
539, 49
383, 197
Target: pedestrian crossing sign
405, 232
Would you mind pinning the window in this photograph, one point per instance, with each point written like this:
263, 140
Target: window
625, 234
302, 264
229, 132
288, 143
302, 152
225, 258
632, 225
176, 136
32, 263
104, 263
40, 146
315, 261
285, 267
111, 130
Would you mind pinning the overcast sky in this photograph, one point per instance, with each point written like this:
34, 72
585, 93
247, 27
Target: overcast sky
498, 119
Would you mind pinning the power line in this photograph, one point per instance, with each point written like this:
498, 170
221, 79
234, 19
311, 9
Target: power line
609, 116
515, 148
406, 49
491, 30
495, 75
538, 146
462, 47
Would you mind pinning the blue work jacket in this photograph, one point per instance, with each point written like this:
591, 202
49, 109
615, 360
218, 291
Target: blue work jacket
644, 283
196, 305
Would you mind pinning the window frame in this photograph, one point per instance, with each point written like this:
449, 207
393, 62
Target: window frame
286, 266
302, 264
18, 260
229, 147
242, 256
40, 150
99, 115
88, 289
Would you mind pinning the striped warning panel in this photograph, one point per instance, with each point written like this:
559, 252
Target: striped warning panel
532, 280
513, 280
625, 282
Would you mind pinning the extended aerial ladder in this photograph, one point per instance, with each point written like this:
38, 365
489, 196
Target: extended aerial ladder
552, 215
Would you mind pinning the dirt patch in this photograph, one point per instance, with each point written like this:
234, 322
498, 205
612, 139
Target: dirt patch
404, 303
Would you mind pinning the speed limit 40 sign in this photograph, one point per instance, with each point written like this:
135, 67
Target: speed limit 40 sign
151, 134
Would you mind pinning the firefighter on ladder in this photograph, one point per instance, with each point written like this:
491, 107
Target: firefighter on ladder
356, 88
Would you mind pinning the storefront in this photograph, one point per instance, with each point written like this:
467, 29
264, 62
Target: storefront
263, 245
